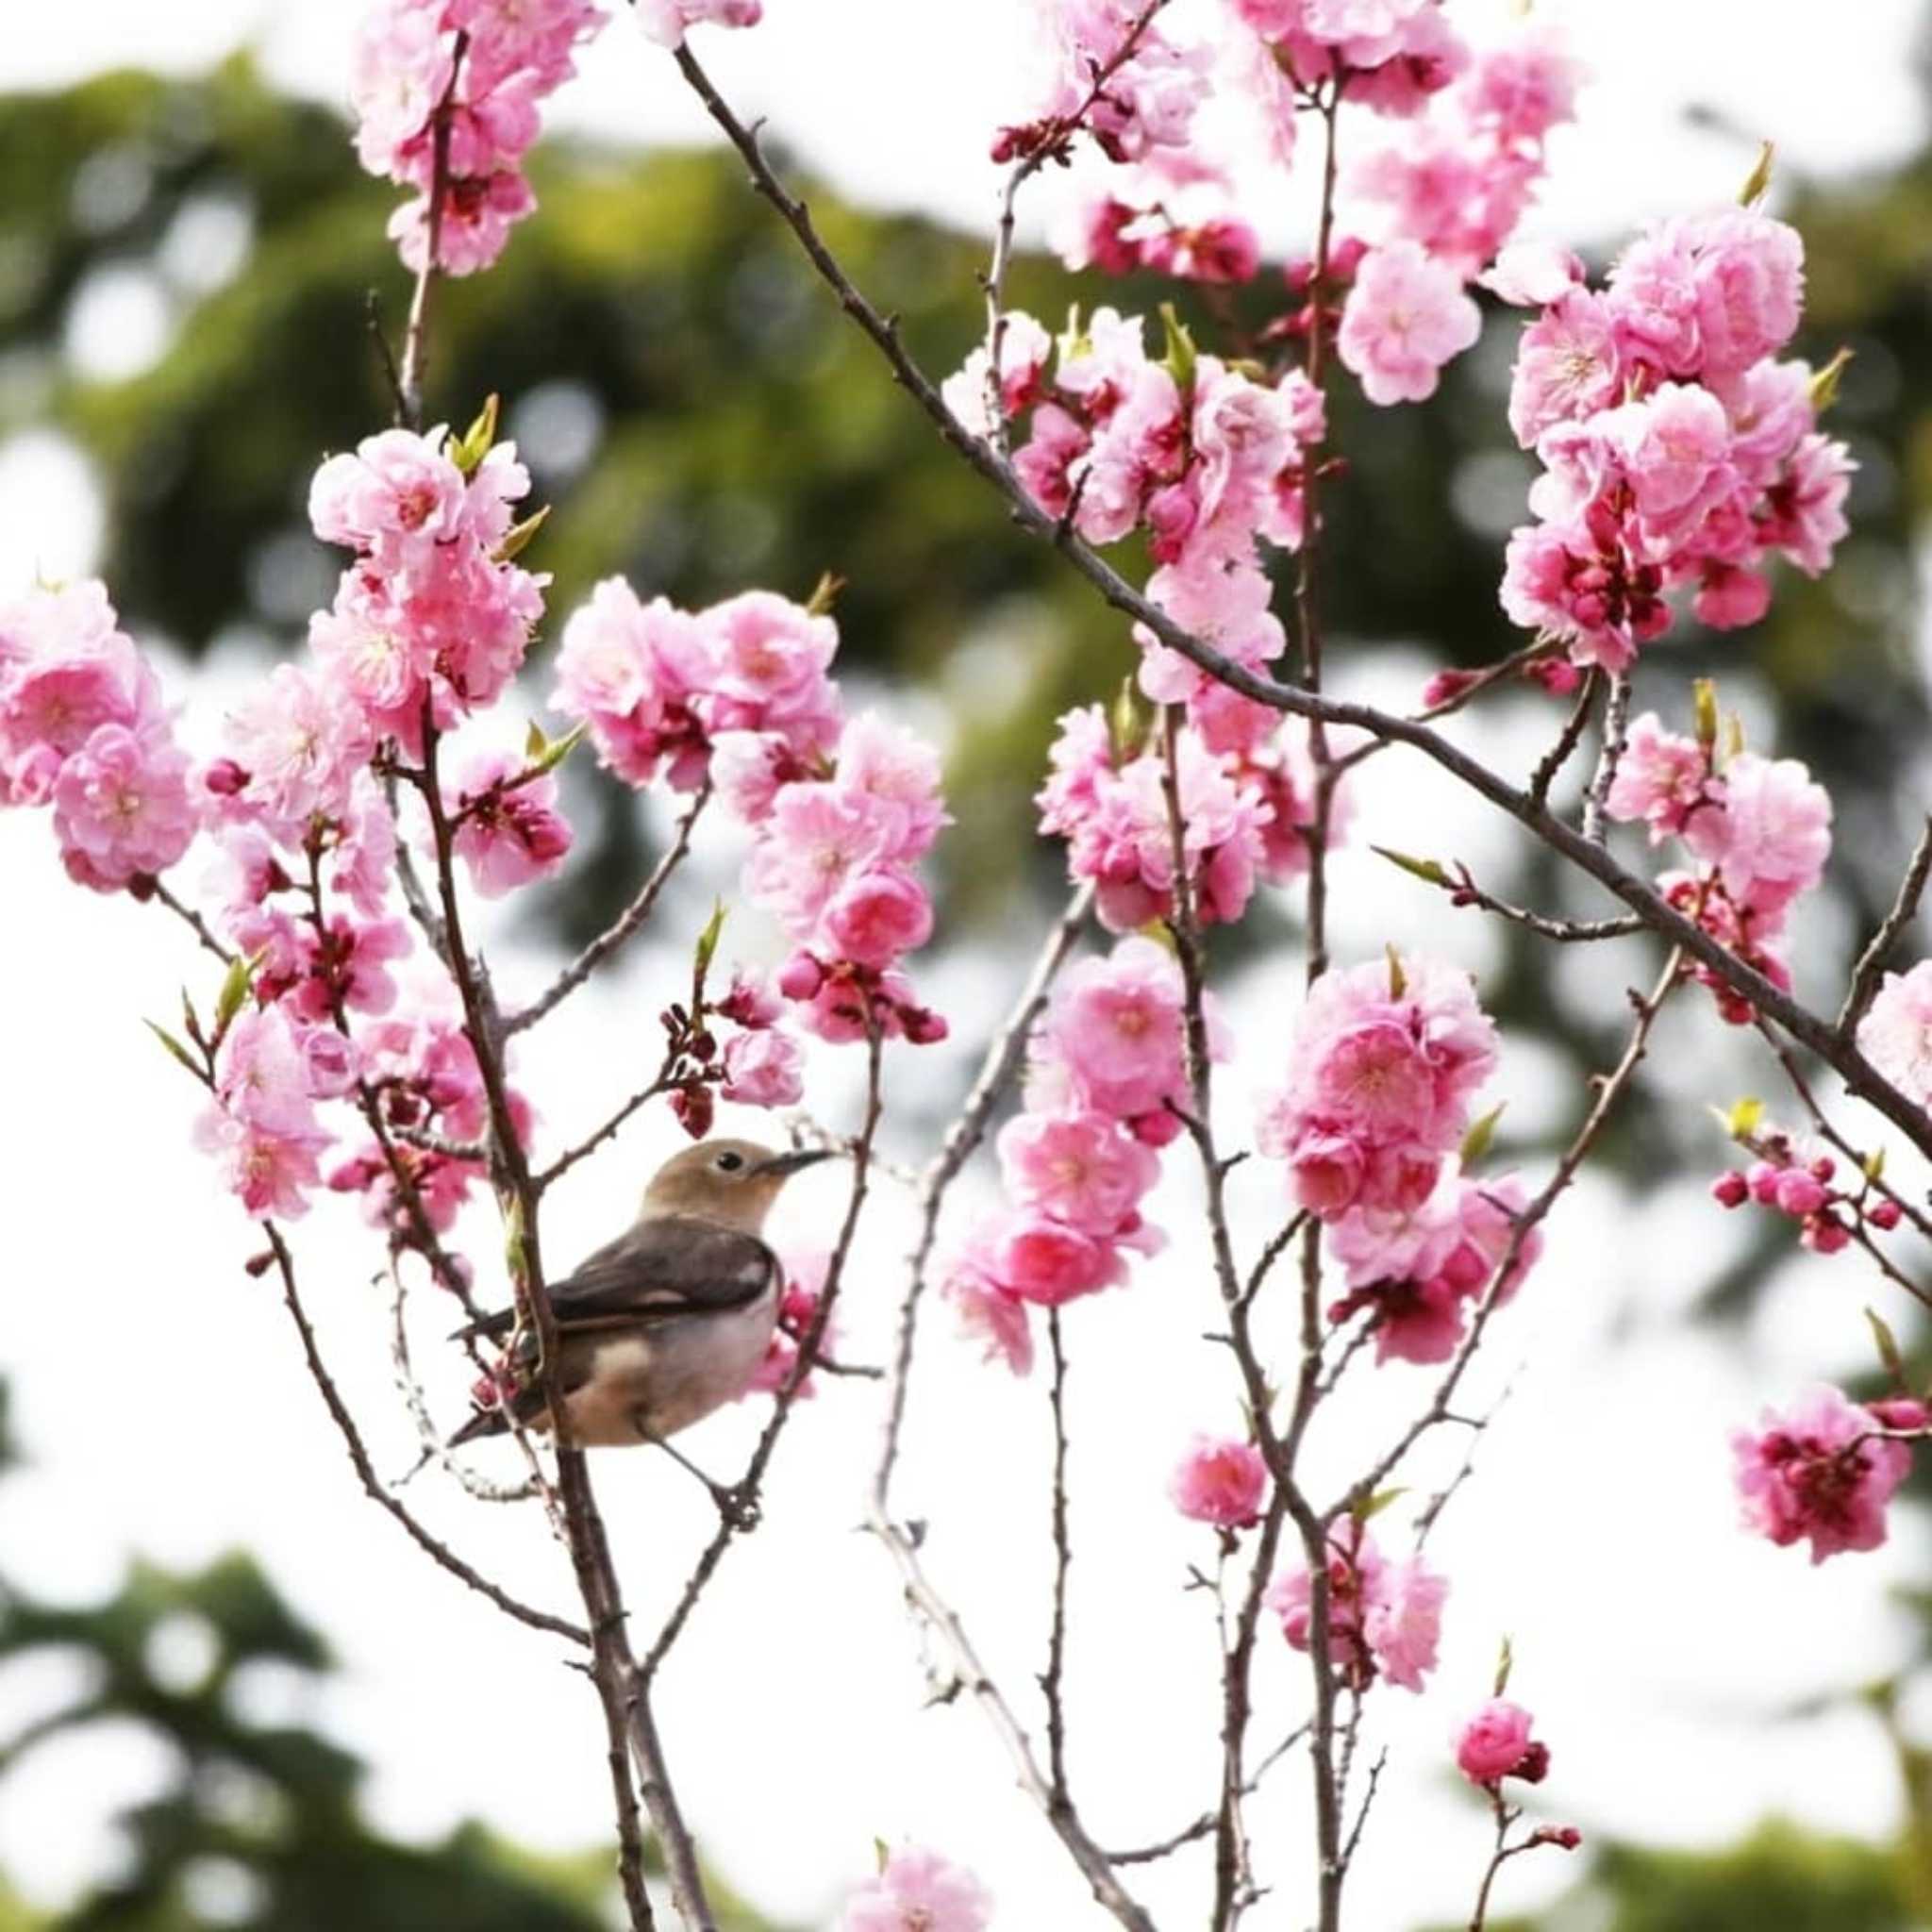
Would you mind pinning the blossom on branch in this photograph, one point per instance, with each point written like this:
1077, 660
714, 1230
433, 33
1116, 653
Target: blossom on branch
1823, 1471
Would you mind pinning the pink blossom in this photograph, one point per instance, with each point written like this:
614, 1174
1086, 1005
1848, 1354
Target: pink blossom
509, 830
1568, 365
1819, 1472
263, 1072
270, 1172
1523, 87
987, 1312
1384, 1618
293, 751
1384, 1064
1896, 1034
66, 671
1025, 349
667, 21
819, 838
1404, 318
1220, 1480
632, 670
767, 658
397, 495
917, 1891
1493, 1743
1773, 837
1114, 1029
899, 770
1039, 1259
1660, 778
121, 808
762, 1069
1079, 1168
1806, 507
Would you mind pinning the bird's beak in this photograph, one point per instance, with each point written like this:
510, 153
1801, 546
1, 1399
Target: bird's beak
781, 1165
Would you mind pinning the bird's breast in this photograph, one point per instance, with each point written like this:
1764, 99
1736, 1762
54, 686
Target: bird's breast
657, 1381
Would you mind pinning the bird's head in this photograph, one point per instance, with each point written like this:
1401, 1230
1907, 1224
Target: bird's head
730, 1181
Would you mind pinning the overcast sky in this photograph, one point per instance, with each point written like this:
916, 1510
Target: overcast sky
159, 1393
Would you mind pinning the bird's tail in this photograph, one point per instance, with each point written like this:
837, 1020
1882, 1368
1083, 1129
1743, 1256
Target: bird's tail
486, 1421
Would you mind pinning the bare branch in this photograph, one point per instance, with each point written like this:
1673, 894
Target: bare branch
627, 921
415, 344
1616, 738
365, 1469
158, 890
1871, 967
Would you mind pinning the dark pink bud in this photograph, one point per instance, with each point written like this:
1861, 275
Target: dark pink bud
1444, 685
1825, 1234
1564, 1836
1899, 1412
1763, 1179
1534, 1765
800, 977
224, 777
923, 1027
1730, 1189
1345, 257
1884, 1214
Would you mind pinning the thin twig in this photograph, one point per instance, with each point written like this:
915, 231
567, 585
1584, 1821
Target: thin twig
659, 1083
1616, 738
627, 921
415, 331
1871, 967
158, 890
1567, 739
365, 1469
1052, 1679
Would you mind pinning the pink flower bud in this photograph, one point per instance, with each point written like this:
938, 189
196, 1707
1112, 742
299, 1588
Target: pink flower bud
800, 977
1763, 1179
1884, 1214
1494, 1742
1730, 1189
1825, 1234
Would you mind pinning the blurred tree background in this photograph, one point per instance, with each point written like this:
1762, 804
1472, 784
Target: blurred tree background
703, 418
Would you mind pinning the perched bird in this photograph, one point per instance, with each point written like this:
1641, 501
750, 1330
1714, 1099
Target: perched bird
670, 1320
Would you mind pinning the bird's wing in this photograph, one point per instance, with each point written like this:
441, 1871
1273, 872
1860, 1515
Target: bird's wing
667, 1266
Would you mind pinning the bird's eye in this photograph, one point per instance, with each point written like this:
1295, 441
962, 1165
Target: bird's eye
730, 1162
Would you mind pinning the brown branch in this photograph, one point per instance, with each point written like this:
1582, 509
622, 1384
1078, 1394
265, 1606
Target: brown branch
1616, 738
1871, 967
1052, 1678
365, 1469
659, 1083
621, 1696
415, 331
1192, 1834
193, 920
627, 921
1567, 739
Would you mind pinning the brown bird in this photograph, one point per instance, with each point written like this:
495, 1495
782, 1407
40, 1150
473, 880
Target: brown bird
669, 1321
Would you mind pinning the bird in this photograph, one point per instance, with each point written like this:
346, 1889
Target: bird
667, 1323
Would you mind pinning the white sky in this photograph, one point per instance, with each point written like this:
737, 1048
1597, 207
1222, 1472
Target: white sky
161, 1397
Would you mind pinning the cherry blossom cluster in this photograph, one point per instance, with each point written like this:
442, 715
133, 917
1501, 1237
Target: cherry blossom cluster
738, 696
454, 85
1386, 1059
1385, 1616
1199, 454
83, 729
1760, 828
1105, 1079
1800, 1179
1678, 449
917, 1891
1824, 1471
1113, 76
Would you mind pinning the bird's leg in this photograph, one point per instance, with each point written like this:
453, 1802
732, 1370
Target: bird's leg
737, 1509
